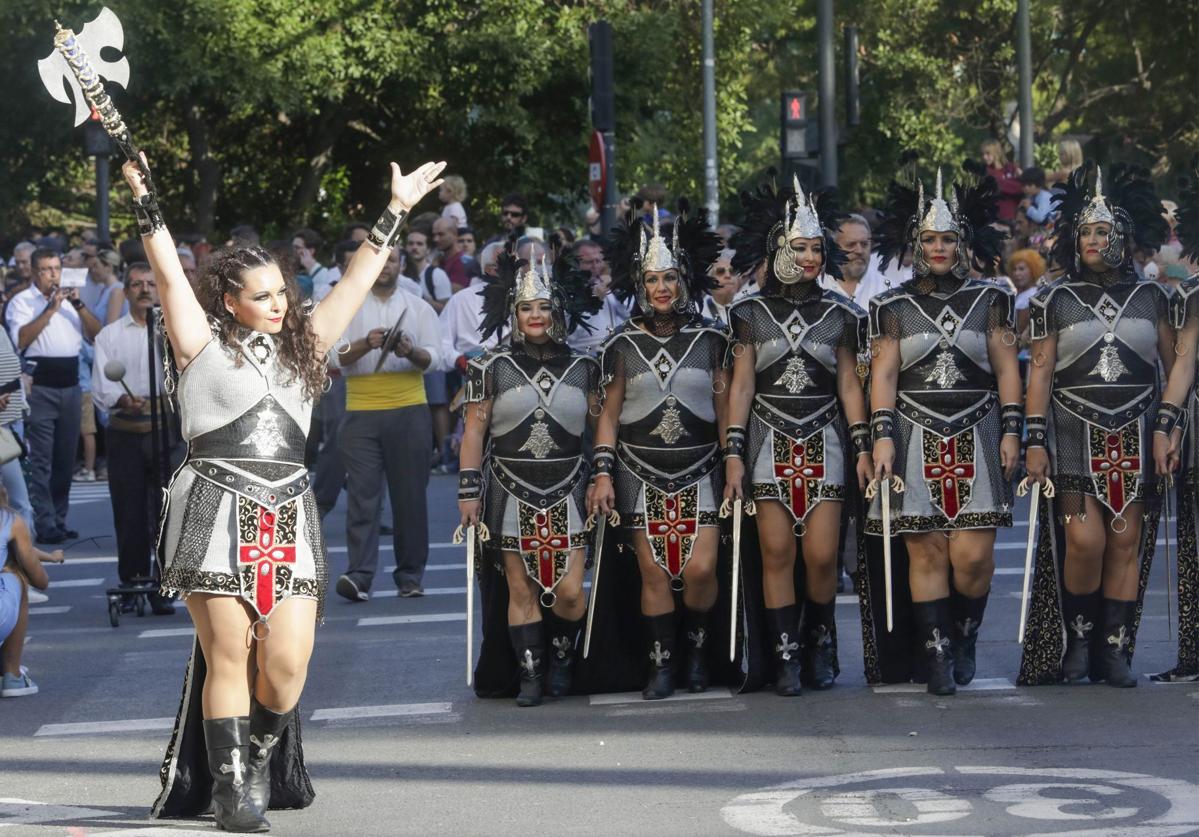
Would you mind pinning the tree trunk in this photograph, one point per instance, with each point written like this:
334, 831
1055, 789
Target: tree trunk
205, 169
320, 151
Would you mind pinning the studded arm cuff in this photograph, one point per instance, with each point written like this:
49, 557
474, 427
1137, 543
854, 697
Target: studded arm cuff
1035, 432
603, 460
470, 484
1169, 416
148, 215
859, 435
1012, 418
882, 424
735, 442
386, 231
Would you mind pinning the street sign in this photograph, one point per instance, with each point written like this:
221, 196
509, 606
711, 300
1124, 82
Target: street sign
597, 170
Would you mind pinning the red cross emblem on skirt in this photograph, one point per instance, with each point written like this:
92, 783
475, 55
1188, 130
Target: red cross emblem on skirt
544, 536
264, 553
1114, 472
951, 471
798, 474
671, 521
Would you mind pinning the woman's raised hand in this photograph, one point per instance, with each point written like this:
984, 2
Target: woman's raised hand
135, 175
408, 189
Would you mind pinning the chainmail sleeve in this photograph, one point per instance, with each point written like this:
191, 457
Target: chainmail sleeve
885, 320
1001, 311
853, 331
480, 382
1041, 322
740, 323
611, 363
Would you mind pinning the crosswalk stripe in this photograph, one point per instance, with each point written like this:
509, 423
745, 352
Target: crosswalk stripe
155, 633
984, 684
385, 711
369, 621
75, 562
102, 727
429, 591
48, 611
635, 697
77, 582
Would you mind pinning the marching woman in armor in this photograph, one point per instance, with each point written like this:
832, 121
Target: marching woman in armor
522, 473
1182, 398
657, 446
795, 402
241, 537
1098, 334
945, 393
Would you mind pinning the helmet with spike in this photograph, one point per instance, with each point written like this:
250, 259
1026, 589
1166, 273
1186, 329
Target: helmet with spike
800, 220
655, 254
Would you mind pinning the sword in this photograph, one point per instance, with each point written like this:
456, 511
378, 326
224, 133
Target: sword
1169, 580
737, 512
469, 532
601, 527
1033, 519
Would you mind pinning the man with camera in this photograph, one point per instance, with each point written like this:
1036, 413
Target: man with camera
49, 336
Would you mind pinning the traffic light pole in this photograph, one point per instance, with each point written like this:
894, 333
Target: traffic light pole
1024, 59
603, 113
711, 185
828, 93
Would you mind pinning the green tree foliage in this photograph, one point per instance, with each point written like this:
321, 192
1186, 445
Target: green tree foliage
285, 112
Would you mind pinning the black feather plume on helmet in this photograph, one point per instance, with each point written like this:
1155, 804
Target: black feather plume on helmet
766, 209
978, 209
897, 217
572, 284
1130, 194
699, 248
498, 292
1187, 226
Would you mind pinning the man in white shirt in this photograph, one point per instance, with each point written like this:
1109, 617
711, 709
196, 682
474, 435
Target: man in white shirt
387, 433
419, 276
463, 314
590, 256
50, 334
133, 475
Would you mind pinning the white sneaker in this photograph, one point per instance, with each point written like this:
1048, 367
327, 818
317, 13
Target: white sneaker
37, 597
85, 475
19, 686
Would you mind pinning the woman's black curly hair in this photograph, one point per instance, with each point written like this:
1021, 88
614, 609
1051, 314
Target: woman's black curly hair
296, 343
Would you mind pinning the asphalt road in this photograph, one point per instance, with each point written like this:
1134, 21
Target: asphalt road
397, 744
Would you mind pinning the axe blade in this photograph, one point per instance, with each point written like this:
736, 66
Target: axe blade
103, 32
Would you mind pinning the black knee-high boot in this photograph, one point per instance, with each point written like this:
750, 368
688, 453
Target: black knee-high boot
967, 617
1117, 634
1081, 614
696, 625
784, 629
528, 641
228, 744
817, 663
563, 637
266, 727
936, 634
659, 641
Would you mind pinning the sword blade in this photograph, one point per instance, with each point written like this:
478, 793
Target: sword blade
470, 604
1028, 552
1169, 578
886, 499
736, 587
601, 527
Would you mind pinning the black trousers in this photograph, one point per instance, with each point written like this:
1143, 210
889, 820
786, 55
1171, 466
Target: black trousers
136, 499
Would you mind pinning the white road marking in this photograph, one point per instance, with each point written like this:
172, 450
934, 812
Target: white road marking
435, 568
370, 621
155, 633
429, 591
74, 562
78, 582
48, 611
105, 727
982, 684
635, 697
387, 547
28, 812
386, 711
